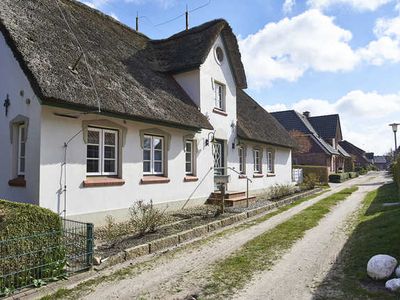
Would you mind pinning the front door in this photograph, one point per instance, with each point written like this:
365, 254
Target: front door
219, 158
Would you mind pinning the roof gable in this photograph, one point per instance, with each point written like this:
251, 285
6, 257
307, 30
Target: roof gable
328, 126
119, 59
293, 120
172, 54
255, 123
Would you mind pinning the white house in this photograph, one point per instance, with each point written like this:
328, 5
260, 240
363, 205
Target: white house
97, 116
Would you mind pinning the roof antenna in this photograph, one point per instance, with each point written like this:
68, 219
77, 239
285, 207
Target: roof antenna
137, 21
187, 18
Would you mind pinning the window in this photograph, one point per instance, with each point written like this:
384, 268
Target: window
189, 152
219, 53
153, 155
257, 161
21, 149
219, 96
270, 162
102, 149
242, 161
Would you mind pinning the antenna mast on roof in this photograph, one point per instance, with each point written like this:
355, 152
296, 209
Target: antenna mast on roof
187, 17
137, 21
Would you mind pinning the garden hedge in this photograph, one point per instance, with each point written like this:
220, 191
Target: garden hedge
353, 174
396, 172
31, 243
320, 171
339, 177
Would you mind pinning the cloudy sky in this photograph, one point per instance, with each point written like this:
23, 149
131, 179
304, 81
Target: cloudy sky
325, 56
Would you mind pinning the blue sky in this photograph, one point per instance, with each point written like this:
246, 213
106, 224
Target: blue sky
326, 56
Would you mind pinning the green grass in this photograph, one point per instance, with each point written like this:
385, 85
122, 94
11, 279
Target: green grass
131, 271
260, 253
376, 231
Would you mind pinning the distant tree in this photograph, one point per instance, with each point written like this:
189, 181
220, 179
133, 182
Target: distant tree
303, 141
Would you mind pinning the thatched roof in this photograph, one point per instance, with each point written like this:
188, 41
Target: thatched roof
120, 60
172, 54
256, 124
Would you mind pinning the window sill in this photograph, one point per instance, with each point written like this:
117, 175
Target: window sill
154, 180
103, 181
271, 175
242, 176
190, 178
258, 175
17, 182
220, 112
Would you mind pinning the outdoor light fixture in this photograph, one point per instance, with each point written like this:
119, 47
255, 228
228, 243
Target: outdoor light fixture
395, 128
210, 138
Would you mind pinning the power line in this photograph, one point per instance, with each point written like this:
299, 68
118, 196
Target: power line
181, 15
84, 55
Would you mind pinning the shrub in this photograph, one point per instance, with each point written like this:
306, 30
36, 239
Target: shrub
395, 169
47, 253
353, 174
338, 177
280, 190
321, 172
309, 182
145, 218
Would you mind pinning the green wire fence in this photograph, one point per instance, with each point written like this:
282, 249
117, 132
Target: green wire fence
48, 256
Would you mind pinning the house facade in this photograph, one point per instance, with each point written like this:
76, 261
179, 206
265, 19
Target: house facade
318, 138
99, 116
359, 155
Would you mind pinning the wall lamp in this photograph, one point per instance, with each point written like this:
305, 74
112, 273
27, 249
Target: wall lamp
210, 138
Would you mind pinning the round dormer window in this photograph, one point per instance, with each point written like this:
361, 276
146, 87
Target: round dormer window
219, 54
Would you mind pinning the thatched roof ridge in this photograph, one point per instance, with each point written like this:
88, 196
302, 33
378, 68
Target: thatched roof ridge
119, 60
172, 54
256, 124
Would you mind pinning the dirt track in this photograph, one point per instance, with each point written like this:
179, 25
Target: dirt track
182, 275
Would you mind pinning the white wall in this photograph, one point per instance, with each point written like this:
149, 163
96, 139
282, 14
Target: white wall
12, 82
81, 200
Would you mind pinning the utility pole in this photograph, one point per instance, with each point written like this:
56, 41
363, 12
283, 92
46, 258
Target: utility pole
187, 18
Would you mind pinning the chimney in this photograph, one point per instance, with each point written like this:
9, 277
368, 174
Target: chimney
137, 21
306, 114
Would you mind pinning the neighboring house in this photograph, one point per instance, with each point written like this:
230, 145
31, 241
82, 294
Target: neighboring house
321, 134
143, 120
359, 156
382, 162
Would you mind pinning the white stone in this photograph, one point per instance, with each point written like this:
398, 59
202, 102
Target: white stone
381, 266
96, 260
393, 284
398, 272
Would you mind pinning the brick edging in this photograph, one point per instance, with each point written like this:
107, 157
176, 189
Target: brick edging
196, 232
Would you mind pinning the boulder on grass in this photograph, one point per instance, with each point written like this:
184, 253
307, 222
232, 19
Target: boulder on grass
398, 272
393, 284
381, 266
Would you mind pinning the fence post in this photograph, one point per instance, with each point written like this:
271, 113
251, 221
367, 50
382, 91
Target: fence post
89, 244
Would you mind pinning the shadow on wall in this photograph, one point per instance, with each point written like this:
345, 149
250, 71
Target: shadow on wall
377, 234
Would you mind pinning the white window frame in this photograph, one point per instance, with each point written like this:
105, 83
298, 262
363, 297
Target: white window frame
257, 161
152, 151
270, 162
219, 95
191, 142
101, 158
242, 160
21, 141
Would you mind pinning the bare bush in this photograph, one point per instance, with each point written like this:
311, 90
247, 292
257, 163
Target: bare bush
145, 218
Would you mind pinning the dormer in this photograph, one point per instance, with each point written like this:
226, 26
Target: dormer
206, 62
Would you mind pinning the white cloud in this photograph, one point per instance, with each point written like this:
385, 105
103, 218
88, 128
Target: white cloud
275, 107
288, 6
290, 47
386, 48
364, 117
114, 16
360, 5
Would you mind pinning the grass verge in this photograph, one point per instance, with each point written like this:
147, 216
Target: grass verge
232, 273
375, 231
130, 271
